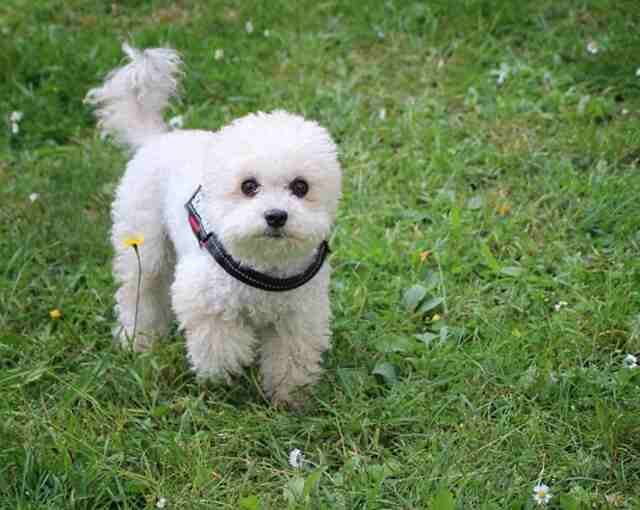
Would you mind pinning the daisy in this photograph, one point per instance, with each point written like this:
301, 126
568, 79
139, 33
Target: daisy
582, 104
593, 48
248, 27
219, 54
15, 119
296, 458
162, 502
34, 196
630, 361
501, 74
541, 494
176, 122
560, 305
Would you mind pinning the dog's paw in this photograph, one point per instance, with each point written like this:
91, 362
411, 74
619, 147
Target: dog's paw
295, 400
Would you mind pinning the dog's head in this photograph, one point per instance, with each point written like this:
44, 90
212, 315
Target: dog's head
272, 185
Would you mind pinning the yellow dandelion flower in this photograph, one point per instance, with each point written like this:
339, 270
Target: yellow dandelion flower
436, 317
55, 314
504, 209
134, 241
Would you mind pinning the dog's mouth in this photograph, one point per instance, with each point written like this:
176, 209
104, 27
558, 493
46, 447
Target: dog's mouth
275, 233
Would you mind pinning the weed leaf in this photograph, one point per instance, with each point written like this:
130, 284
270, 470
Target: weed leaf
426, 337
430, 304
294, 489
443, 500
512, 271
250, 503
311, 482
388, 373
413, 296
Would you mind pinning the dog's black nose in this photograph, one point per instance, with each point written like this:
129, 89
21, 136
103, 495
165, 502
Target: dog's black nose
276, 218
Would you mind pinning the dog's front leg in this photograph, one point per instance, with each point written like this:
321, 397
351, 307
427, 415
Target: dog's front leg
219, 343
292, 350
218, 348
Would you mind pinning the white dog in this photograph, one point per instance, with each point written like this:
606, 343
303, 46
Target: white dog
235, 224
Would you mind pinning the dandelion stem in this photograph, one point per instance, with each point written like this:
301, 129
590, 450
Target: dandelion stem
135, 317
443, 287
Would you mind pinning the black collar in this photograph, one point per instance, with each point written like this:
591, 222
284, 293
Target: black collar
208, 239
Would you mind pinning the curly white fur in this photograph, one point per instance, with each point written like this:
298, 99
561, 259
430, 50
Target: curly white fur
131, 101
228, 325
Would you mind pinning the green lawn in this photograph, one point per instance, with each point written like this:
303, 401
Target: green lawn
487, 269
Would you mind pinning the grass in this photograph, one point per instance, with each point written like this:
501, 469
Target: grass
471, 210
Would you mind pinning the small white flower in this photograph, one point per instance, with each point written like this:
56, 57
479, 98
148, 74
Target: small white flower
248, 26
471, 99
176, 122
630, 361
267, 33
296, 458
560, 305
34, 196
501, 73
593, 48
382, 114
638, 72
582, 104
624, 111
161, 503
14, 119
541, 494
380, 34
219, 54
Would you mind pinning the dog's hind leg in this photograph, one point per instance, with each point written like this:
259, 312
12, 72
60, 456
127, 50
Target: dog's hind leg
145, 308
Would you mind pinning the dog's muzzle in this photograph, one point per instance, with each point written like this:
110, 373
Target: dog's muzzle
247, 275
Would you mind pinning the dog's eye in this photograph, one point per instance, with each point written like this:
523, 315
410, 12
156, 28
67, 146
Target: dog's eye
299, 187
250, 187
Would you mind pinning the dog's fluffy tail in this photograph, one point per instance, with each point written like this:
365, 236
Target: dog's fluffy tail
129, 105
